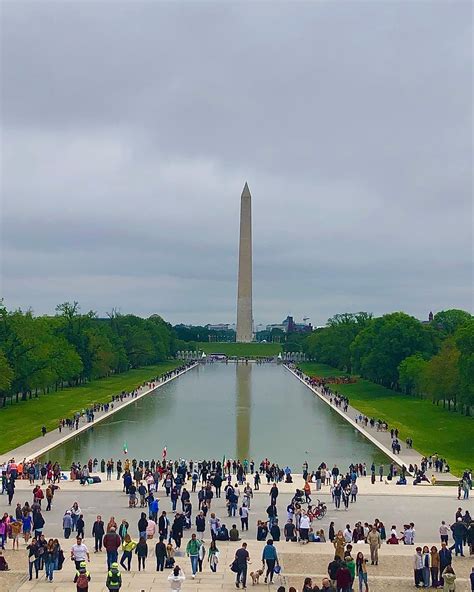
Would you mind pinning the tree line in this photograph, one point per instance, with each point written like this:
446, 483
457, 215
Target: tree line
39, 354
433, 360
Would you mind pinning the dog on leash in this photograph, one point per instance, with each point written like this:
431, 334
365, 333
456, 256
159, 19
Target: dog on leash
255, 575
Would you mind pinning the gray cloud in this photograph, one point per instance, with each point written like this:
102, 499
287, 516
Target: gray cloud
128, 130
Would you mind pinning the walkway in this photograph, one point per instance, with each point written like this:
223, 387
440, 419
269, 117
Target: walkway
42, 444
382, 440
393, 574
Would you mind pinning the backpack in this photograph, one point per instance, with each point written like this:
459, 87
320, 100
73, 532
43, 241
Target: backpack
82, 582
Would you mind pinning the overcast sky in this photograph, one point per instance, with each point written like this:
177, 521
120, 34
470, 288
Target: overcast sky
129, 130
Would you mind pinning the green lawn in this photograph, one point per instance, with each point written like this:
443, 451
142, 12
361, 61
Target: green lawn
23, 421
432, 428
241, 349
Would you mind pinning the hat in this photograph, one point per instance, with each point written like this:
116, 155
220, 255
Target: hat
82, 564
114, 564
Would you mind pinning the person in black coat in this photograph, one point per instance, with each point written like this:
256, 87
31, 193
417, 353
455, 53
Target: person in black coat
98, 533
160, 553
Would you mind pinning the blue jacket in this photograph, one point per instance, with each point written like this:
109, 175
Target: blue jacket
269, 552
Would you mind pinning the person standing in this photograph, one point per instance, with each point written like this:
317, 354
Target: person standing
434, 569
160, 554
241, 560
444, 532
67, 524
270, 557
418, 568
244, 517
445, 559
375, 542
459, 531
111, 544
98, 532
192, 551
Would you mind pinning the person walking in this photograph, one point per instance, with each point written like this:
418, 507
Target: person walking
213, 556
82, 578
33, 558
241, 560
79, 553
51, 557
361, 571
128, 547
141, 551
375, 542
113, 582
270, 557
192, 551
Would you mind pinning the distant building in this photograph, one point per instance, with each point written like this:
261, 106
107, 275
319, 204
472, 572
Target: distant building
280, 327
219, 327
430, 319
292, 327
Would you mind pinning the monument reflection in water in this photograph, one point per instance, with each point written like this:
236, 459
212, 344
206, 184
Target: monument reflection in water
243, 405
232, 410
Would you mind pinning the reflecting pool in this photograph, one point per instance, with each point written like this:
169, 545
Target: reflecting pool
232, 410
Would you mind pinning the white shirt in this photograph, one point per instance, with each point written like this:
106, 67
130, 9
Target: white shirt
347, 535
176, 581
79, 552
304, 521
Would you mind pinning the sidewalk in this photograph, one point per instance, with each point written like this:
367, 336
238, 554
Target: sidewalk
382, 440
42, 444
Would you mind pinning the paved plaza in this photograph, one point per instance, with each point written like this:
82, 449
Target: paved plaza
426, 506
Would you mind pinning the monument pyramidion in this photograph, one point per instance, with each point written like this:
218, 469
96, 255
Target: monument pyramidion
244, 291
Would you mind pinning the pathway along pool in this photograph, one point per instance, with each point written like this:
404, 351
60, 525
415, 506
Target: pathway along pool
232, 410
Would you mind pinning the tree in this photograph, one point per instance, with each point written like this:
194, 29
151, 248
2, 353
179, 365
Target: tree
411, 373
442, 377
385, 342
6, 373
464, 339
331, 344
449, 321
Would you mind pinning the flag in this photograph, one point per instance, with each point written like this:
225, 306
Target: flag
125, 448
165, 450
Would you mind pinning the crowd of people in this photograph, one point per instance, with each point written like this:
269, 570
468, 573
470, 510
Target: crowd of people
190, 488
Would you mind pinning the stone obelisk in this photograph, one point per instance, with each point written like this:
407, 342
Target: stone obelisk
244, 297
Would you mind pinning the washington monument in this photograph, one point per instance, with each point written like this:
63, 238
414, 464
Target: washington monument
244, 296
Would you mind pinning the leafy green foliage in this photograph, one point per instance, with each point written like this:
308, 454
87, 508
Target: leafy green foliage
449, 321
379, 349
434, 360
43, 353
